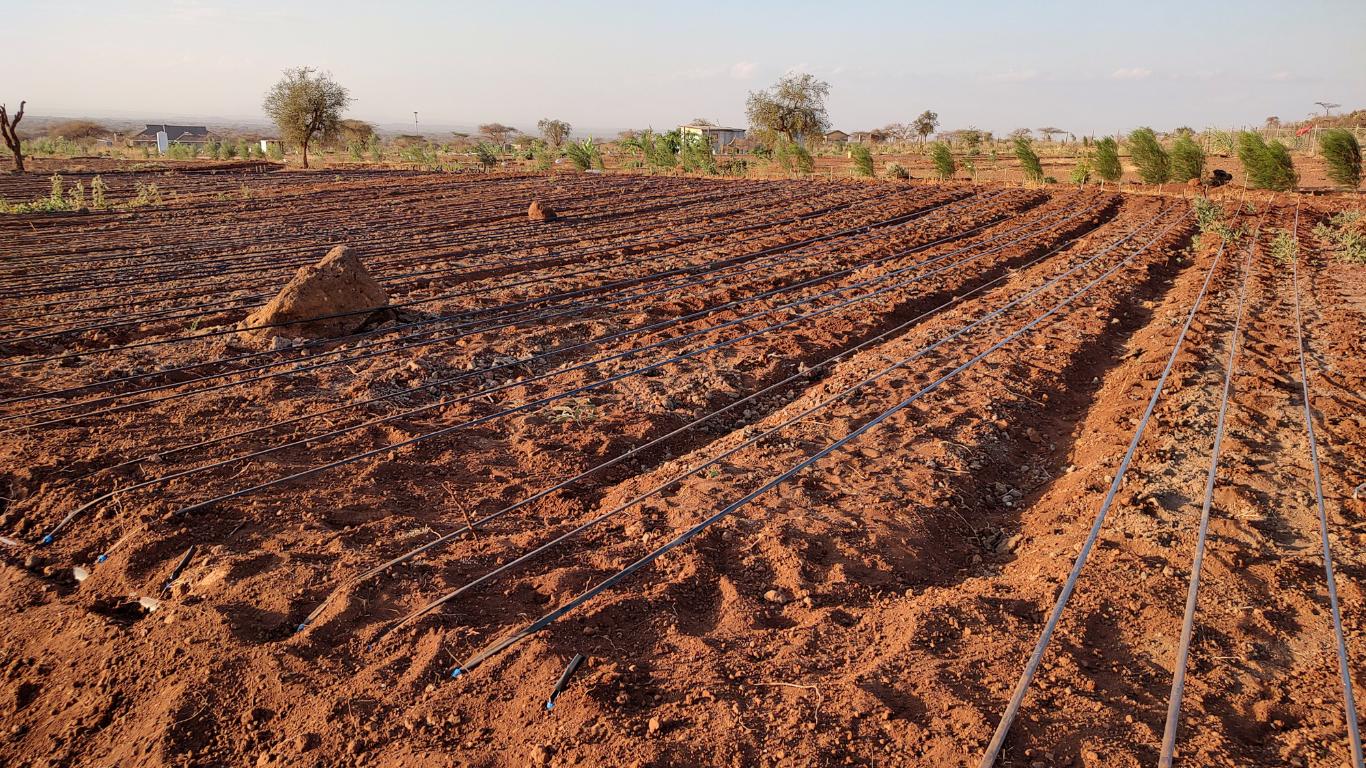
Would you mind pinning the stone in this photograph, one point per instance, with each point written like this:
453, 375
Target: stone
655, 725
1009, 545
337, 285
33, 562
541, 754
539, 211
775, 596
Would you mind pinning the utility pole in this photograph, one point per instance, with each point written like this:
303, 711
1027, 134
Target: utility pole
415, 130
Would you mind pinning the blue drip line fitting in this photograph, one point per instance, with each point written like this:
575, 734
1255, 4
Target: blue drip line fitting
47, 539
456, 672
101, 558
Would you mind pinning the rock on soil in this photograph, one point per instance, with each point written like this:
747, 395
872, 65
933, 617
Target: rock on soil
539, 211
337, 285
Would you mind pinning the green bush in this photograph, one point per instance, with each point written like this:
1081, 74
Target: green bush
1107, 160
1154, 164
1029, 159
485, 154
944, 166
863, 160
1188, 159
1342, 154
793, 156
895, 170
584, 156
1268, 166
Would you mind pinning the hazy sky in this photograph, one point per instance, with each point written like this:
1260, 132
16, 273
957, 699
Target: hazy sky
1094, 66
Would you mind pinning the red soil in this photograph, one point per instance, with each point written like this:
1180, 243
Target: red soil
876, 609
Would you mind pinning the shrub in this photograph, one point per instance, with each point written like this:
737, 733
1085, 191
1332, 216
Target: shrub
1346, 235
1029, 160
1342, 154
794, 157
1107, 160
1221, 143
863, 160
484, 153
543, 155
895, 170
1188, 159
97, 190
1154, 164
1081, 173
1283, 247
1268, 166
584, 156
696, 153
944, 166
276, 151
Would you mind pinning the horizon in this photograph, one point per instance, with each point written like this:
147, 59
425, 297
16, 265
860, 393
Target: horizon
987, 65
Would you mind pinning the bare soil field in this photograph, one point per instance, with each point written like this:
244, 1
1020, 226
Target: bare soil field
800, 467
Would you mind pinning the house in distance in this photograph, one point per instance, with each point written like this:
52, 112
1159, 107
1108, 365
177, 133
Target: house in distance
720, 137
175, 134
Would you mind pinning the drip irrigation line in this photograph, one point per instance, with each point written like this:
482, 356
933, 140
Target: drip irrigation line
220, 266
1032, 666
894, 221
291, 262
1344, 670
507, 412
757, 438
166, 314
703, 268
1192, 595
464, 331
501, 645
514, 364
640, 449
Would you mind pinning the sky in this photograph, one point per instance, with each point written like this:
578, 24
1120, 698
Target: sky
1086, 67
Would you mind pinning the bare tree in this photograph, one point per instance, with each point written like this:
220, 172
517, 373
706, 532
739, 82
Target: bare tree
304, 107
497, 132
1328, 106
1273, 122
702, 122
7, 127
1021, 133
1049, 131
554, 131
793, 107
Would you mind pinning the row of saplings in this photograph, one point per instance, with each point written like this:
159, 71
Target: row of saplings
1267, 165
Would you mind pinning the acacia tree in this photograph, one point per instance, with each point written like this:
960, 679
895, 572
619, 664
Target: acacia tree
304, 107
1048, 132
7, 127
925, 124
793, 107
497, 132
554, 131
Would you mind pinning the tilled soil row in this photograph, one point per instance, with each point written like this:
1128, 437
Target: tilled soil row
876, 609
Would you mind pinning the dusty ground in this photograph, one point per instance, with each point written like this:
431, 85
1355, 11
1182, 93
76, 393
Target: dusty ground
874, 609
